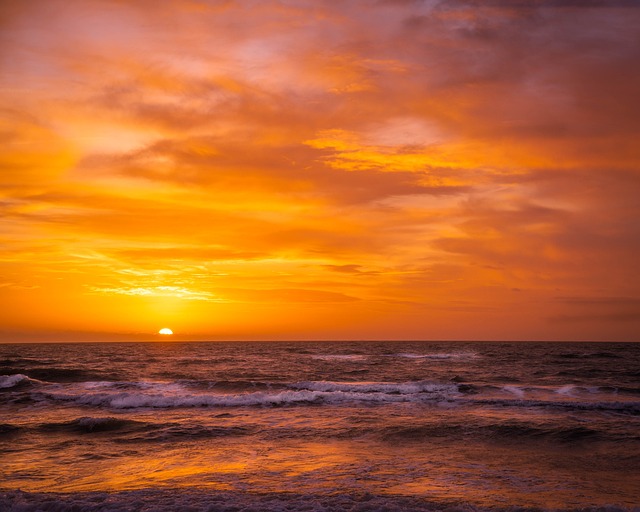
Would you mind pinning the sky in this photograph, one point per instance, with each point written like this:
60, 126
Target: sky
318, 169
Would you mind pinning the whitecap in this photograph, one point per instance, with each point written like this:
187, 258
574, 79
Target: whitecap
340, 357
515, 390
11, 381
299, 393
566, 390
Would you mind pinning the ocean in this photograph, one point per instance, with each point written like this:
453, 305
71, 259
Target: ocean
319, 426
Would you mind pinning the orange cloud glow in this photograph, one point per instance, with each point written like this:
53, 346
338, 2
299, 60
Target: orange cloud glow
320, 170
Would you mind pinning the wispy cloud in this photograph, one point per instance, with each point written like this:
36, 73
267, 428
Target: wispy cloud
161, 291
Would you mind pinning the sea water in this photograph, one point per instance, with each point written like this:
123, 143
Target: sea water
319, 426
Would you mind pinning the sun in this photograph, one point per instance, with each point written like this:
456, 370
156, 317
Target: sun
165, 331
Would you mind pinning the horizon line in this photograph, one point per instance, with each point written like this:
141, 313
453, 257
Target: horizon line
169, 341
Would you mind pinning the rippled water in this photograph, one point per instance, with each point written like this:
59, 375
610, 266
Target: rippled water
488, 425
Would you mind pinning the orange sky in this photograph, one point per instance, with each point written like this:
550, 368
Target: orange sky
359, 169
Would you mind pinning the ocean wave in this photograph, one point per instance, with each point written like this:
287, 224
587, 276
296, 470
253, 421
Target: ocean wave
340, 357
21, 361
564, 434
185, 385
226, 388
248, 393
437, 356
178, 432
313, 392
393, 388
232, 385
61, 374
128, 430
576, 390
632, 408
620, 390
139, 385
593, 355
17, 380
515, 390
500, 431
182, 385
123, 430
138, 400
88, 424
568, 390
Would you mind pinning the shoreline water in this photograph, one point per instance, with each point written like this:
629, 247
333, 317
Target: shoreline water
344, 426
196, 500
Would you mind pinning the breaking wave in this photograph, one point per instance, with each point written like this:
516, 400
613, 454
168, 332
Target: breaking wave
58, 374
17, 380
392, 388
244, 393
281, 398
132, 395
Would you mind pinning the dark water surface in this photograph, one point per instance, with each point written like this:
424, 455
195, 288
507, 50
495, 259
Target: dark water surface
320, 426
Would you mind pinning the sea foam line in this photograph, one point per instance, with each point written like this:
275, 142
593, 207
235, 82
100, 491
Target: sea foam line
299, 393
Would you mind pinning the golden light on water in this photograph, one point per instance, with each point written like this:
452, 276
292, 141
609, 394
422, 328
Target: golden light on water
165, 331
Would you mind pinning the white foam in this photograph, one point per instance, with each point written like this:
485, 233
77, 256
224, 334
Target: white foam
566, 390
629, 407
98, 384
340, 357
10, 381
302, 392
453, 355
137, 400
404, 388
515, 390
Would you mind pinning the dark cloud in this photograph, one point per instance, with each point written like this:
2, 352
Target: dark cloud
534, 4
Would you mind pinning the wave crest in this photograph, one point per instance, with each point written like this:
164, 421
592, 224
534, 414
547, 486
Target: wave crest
313, 392
14, 381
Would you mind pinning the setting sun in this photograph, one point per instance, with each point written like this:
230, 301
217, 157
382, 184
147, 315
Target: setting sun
165, 331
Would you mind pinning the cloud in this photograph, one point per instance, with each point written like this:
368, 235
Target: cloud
288, 295
350, 269
196, 253
160, 291
278, 153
